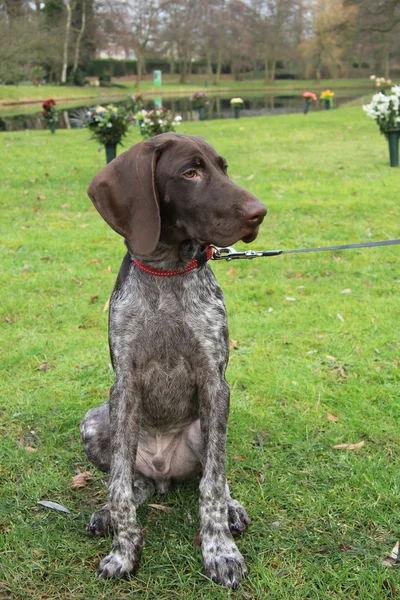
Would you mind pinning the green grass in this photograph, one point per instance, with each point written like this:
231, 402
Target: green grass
325, 179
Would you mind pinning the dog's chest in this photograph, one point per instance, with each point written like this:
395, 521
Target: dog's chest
175, 336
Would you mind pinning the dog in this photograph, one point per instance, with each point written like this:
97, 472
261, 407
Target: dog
166, 420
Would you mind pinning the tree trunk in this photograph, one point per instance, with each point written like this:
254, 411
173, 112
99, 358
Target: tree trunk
386, 57
182, 71
273, 70
79, 39
139, 69
66, 42
318, 69
266, 64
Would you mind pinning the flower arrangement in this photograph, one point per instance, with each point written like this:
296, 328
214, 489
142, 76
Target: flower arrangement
308, 96
199, 99
50, 113
237, 102
327, 96
137, 102
159, 120
381, 82
109, 124
385, 109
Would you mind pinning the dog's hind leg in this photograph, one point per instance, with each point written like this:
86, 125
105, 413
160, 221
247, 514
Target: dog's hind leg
238, 519
95, 436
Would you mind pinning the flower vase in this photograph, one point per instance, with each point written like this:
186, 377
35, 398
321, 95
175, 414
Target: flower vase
306, 107
327, 104
202, 113
52, 126
393, 140
111, 152
237, 111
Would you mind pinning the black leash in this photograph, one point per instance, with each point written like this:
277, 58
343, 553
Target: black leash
229, 253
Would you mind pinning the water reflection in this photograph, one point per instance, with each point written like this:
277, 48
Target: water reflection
218, 107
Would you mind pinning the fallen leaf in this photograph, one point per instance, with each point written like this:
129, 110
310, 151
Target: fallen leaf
340, 370
197, 540
393, 557
80, 480
46, 258
80, 283
389, 585
234, 345
285, 341
260, 440
53, 505
232, 271
276, 524
250, 177
40, 197
239, 458
160, 507
261, 479
94, 261
107, 304
44, 366
21, 441
346, 291
66, 205
290, 299
320, 550
339, 316
329, 357
30, 449
93, 299
332, 418
349, 446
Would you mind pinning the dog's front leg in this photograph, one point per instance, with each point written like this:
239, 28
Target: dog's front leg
124, 433
223, 562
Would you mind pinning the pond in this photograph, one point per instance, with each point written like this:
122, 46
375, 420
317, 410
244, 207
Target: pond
218, 107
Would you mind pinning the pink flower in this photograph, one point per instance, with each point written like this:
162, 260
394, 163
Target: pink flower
310, 96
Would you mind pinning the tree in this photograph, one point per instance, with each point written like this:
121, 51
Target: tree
331, 30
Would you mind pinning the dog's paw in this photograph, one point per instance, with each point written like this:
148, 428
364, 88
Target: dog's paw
238, 519
123, 559
223, 563
100, 522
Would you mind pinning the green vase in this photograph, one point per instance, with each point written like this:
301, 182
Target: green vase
202, 113
52, 126
393, 140
327, 104
111, 152
237, 111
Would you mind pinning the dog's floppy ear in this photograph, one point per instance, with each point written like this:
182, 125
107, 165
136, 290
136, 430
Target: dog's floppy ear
125, 195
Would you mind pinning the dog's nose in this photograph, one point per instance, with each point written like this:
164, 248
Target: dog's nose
255, 213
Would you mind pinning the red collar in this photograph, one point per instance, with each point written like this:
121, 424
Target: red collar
197, 261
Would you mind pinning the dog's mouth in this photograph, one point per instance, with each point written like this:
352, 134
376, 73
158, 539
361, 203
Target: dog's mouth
250, 237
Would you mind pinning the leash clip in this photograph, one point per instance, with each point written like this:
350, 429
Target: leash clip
229, 253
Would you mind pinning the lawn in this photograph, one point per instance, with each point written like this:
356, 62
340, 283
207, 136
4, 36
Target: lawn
314, 364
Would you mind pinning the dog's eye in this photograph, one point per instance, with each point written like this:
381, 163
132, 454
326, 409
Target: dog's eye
190, 174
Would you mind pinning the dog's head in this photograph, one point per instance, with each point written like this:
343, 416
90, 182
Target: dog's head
174, 188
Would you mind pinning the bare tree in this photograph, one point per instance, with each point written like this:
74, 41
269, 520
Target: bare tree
79, 38
67, 35
332, 27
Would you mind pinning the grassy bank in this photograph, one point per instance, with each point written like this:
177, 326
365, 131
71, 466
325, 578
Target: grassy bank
314, 364
25, 94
